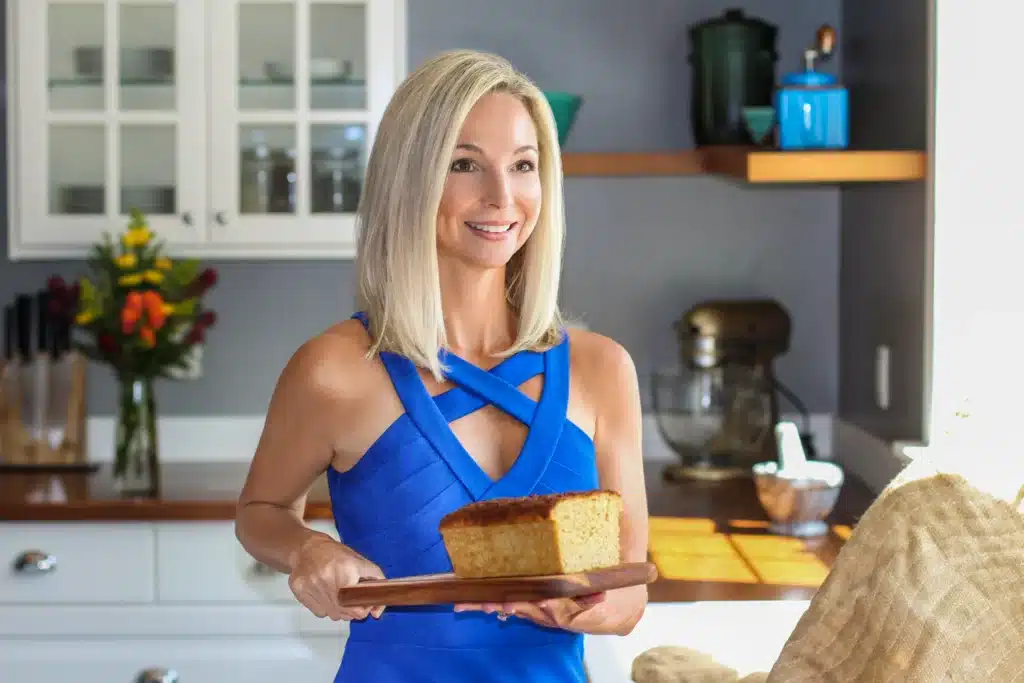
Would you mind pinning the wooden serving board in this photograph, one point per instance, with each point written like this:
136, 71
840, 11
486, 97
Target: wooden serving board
439, 589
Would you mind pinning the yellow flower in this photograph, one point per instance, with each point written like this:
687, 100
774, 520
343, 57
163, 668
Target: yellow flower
127, 261
130, 280
137, 237
85, 317
153, 276
164, 263
168, 309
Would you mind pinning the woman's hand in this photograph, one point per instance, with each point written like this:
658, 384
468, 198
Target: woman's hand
322, 567
613, 612
554, 613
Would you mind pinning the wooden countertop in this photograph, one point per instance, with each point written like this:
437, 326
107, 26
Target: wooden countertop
190, 492
712, 542
709, 540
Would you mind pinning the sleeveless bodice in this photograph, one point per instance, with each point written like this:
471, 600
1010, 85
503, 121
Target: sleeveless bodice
388, 507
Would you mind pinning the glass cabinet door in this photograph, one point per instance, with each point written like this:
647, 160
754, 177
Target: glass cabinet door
111, 118
295, 96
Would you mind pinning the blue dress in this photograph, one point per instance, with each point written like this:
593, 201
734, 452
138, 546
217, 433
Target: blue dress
388, 506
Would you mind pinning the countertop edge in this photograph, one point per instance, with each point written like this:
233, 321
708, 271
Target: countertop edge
129, 510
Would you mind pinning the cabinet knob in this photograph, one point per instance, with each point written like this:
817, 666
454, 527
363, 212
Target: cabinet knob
157, 675
35, 562
221, 217
186, 218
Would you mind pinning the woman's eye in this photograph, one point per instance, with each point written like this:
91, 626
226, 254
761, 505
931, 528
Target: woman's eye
462, 165
525, 166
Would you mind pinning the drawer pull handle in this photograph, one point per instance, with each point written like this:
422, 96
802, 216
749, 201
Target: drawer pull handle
157, 676
35, 562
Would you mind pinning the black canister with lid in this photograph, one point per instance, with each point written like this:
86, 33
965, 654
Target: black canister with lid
733, 58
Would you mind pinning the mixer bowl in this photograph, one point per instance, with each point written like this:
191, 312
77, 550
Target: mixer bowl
798, 502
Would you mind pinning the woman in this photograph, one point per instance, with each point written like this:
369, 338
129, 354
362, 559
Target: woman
455, 382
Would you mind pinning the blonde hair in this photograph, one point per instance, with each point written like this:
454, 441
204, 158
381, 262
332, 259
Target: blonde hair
398, 283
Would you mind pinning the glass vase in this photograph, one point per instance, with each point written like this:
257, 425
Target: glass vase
137, 458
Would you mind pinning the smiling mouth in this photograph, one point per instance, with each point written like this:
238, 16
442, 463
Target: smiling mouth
491, 228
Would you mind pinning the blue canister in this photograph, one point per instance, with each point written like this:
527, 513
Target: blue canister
811, 107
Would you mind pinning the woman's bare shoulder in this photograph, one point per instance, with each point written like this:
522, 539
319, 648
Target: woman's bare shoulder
602, 363
334, 364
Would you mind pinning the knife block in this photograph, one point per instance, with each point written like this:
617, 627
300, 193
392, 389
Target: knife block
17, 443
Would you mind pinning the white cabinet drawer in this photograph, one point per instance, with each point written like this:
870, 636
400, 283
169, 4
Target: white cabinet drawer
194, 661
204, 562
91, 563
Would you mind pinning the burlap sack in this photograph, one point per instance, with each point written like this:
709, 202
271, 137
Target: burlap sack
677, 664
929, 588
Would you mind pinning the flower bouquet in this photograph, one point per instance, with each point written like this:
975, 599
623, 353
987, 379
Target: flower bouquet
142, 314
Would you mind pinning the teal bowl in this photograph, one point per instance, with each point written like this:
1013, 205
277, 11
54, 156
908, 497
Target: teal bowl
760, 121
565, 106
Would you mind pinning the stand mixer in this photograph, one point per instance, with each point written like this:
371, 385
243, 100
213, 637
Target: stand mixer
718, 410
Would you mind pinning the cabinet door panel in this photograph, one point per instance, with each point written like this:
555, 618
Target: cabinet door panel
296, 100
110, 114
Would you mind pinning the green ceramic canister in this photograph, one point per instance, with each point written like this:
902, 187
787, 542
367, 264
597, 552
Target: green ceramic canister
733, 58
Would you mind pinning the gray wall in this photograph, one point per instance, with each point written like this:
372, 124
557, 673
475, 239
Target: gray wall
884, 248
639, 250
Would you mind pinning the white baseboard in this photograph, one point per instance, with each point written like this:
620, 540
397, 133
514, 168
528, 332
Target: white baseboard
234, 438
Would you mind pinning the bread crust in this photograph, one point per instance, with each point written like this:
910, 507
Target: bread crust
500, 511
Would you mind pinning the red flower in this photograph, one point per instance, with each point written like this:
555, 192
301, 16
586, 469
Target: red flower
204, 281
196, 335
107, 343
56, 284
63, 297
208, 278
207, 319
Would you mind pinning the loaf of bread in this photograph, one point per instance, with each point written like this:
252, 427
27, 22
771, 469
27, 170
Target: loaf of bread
536, 535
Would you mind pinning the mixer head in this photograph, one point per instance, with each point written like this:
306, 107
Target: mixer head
736, 331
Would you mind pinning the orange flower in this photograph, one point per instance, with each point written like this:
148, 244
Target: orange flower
131, 312
154, 305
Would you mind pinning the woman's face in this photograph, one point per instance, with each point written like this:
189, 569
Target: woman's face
492, 194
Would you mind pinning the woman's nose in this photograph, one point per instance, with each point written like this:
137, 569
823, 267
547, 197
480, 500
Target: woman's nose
499, 189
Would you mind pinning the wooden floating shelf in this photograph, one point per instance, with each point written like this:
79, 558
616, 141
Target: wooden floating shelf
754, 165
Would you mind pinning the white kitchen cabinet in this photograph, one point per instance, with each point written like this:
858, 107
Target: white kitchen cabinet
95, 563
240, 127
108, 601
195, 661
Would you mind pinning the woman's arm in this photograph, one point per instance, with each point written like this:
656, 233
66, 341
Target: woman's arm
611, 380
316, 409
312, 401
294, 449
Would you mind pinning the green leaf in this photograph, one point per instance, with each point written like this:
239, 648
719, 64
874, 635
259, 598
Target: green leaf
183, 272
